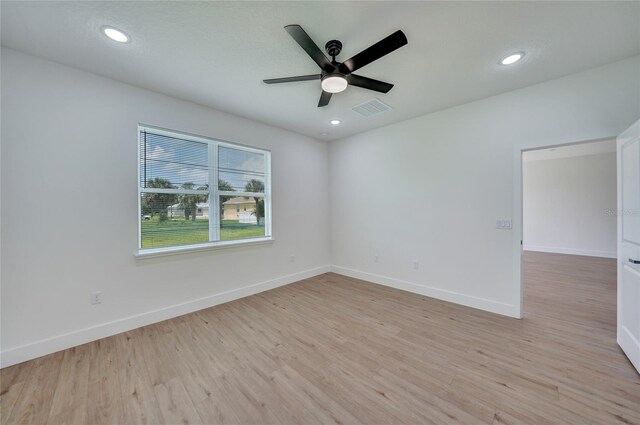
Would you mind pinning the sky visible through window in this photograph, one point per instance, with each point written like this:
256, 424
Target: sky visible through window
185, 163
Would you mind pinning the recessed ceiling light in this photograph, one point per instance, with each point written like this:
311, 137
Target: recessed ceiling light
116, 35
335, 122
324, 133
511, 59
334, 83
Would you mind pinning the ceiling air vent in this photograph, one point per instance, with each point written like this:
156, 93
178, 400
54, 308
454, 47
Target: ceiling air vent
371, 107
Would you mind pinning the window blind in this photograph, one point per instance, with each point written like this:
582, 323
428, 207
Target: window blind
172, 162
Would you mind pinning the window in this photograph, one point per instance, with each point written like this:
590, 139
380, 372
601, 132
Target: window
198, 192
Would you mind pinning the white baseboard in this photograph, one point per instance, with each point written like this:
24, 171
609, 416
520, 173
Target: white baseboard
60, 342
572, 251
429, 291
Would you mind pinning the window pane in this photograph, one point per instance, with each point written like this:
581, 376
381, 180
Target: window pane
169, 162
240, 170
171, 220
242, 217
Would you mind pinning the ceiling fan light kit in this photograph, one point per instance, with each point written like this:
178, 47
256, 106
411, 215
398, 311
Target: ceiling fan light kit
334, 83
336, 76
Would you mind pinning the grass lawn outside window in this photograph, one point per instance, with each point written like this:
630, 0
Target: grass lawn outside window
178, 231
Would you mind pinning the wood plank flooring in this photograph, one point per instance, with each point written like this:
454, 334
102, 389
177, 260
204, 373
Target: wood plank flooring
332, 349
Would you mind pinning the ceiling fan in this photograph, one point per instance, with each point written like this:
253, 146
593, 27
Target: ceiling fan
336, 76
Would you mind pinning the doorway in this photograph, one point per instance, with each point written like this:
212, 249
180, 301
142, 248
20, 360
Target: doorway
569, 235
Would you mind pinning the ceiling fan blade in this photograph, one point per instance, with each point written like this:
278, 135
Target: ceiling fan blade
293, 79
370, 54
325, 97
368, 83
303, 39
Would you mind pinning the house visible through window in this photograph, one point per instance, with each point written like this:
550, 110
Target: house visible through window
197, 191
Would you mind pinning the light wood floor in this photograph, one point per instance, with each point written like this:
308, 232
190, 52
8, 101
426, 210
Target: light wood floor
337, 350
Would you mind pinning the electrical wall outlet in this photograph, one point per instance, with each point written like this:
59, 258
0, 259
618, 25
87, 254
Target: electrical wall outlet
292, 258
416, 265
96, 297
376, 259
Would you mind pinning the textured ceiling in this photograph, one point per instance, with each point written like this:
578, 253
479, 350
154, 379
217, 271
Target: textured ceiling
217, 53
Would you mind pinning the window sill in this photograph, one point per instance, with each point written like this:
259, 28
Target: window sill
161, 252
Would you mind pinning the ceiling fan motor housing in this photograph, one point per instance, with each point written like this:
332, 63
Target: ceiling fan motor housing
333, 48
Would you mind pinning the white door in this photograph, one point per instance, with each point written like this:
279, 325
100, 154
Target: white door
629, 243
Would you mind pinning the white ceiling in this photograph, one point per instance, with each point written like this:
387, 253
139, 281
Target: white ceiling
580, 149
217, 53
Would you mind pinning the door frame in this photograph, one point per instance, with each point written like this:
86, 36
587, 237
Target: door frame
518, 217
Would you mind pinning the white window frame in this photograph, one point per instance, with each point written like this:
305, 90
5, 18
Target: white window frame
214, 195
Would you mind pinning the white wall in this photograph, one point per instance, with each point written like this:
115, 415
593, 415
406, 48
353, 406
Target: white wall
430, 189
568, 205
69, 156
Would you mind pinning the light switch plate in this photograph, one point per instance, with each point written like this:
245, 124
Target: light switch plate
503, 224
